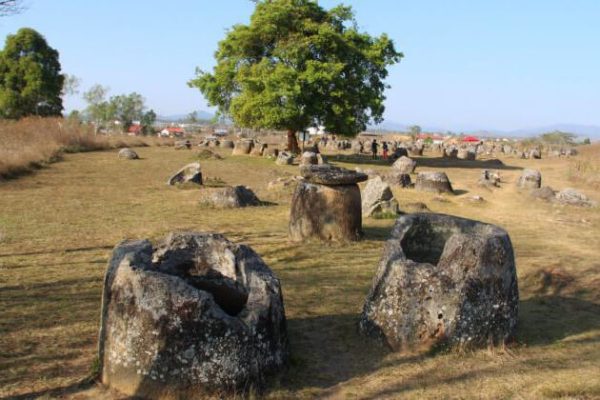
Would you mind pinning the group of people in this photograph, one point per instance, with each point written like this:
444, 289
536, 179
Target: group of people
384, 149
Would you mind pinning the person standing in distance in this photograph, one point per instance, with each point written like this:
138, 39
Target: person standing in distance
374, 146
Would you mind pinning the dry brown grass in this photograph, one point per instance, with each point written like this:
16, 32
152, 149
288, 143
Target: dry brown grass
57, 228
32, 143
586, 166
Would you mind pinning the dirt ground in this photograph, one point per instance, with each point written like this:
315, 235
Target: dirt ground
59, 225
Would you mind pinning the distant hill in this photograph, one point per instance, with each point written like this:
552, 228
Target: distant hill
583, 131
591, 131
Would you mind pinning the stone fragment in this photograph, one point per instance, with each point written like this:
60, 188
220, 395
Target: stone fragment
127, 154
327, 174
191, 173
436, 182
575, 198
226, 144
284, 158
530, 179
378, 199
229, 197
405, 165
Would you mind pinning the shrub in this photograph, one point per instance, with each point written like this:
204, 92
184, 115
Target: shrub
34, 142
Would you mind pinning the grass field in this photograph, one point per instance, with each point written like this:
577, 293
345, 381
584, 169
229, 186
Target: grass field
58, 226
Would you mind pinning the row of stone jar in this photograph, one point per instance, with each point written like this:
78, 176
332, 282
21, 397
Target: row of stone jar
198, 314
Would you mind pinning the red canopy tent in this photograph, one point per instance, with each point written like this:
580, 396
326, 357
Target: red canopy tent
470, 139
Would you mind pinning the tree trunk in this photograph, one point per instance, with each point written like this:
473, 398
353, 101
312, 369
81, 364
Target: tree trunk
292, 142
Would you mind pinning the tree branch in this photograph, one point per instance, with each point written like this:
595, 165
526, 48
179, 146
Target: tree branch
11, 7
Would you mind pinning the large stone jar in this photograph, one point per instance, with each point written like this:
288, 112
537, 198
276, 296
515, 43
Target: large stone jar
195, 316
327, 204
443, 280
243, 147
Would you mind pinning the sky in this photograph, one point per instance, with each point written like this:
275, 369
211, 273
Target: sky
469, 64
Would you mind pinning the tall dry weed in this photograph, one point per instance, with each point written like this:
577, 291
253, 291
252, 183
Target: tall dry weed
585, 167
31, 143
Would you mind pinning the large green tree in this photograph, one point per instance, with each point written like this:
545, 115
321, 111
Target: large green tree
124, 108
297, 65
99, 111
128, 108
30, 78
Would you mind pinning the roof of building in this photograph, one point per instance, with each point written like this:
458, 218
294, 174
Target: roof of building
134, 128
174, 129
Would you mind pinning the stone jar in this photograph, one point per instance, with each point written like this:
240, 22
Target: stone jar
443, 280
197, 315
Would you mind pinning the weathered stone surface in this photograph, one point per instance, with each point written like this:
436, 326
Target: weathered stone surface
191, 173
416, 150
271, 152
196, 316
398, 179
206, 154
377, 198
574, 198
259, 149
327, 174
357, 147
545, 193
330, 213
309, 158
228, 197
554, 153
226, 144
530, 179
182, 145
468, 154
489, 179
450, 152
405, 165
436, 182
443, 280
243, 147
284, 158
128, 154
399, 152
535, 154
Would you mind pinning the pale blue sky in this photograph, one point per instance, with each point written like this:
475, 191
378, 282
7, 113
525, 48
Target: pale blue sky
469, 64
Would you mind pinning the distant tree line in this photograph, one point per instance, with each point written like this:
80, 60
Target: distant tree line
122, 109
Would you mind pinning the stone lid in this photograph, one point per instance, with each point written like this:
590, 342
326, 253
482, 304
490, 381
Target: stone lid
326, 174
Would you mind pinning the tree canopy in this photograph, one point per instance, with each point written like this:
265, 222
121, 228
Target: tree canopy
30, 78
297, 65
558, 138
124, 108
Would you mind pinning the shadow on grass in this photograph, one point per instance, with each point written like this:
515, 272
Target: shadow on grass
71, 250
263, 203
548, 319
59, 392
357, 159
377, 233
441, 162
327, 350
